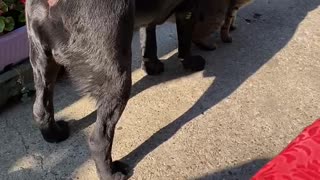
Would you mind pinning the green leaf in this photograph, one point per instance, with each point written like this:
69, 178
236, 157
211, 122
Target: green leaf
3, 7
22, 18
2, 24
10, 1
19, 7
9, 21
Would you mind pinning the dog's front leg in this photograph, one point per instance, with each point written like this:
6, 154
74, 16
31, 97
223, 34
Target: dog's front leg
148, 40
185, 20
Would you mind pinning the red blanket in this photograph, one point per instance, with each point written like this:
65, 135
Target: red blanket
300, 160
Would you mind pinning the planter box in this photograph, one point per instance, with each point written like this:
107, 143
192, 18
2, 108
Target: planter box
14, 47
17, 80
16, 83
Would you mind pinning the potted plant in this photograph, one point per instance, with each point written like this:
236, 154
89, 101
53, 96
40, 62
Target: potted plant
13, 35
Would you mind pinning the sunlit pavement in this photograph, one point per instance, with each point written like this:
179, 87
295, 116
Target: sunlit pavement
225, 122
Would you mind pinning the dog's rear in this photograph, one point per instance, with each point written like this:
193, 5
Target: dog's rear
92, 39
83, 37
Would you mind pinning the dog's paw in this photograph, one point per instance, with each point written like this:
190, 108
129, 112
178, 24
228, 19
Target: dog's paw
120, 170
194, 63
152, 68
57, 133
227, 39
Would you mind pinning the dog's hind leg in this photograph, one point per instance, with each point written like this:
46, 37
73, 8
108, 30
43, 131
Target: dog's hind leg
150, 63
108, 80
110, 108
45, 71
111, 87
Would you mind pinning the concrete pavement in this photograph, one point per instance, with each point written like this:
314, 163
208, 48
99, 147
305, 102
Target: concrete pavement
226, 122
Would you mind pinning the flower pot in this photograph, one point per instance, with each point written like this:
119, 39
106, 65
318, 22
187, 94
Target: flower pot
14, 47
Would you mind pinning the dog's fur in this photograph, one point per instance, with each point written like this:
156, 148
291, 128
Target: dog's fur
92, 40
217, 15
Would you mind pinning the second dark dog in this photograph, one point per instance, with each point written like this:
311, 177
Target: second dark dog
92, 40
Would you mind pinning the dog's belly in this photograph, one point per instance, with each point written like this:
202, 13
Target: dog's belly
154, 12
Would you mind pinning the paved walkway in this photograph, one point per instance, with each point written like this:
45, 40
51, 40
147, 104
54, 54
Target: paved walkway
254, 96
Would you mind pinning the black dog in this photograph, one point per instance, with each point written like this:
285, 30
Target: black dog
92, 40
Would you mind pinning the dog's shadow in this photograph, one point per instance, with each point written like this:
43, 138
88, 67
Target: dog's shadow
231, 66
254, 45
243, 172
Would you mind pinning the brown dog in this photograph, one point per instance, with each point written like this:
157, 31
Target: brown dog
214, 16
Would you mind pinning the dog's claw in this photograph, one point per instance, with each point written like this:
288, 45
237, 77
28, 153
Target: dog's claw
119, 176
153, 68
194, 63
57, 133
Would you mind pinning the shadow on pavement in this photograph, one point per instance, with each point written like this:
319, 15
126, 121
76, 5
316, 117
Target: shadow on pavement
242, 172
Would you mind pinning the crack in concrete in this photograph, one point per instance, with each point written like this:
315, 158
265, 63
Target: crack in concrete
22, 140
26, 148
39, 158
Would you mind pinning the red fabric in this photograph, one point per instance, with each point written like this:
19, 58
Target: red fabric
300, 160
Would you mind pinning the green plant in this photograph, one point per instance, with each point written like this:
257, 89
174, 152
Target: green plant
12, 15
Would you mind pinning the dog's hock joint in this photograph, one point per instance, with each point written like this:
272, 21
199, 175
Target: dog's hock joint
52, 2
